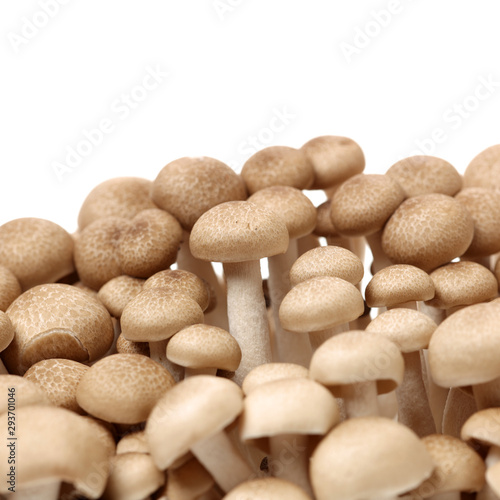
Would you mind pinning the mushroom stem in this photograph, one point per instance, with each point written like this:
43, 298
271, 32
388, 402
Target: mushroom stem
356, 244
317, 338
380, 259
47, 491
459, 407
247, 315
360, 399
158, 353
492, 458
437, 315
191, 372
436, 395
487, 395
221, 458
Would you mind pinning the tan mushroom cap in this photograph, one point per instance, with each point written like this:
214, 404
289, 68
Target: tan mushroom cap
71, 450
267, 488
327, 261
463, 349
124, 346
291, 204
334, 160
422, 174
484, 169
483, 205
320, 303
135, 442
483, 427
36, 251
117, 197
357, 356
238, 231
27, 393
362, 205
118, 292
134, 476
428, 231
324, 225
57, 321
271, 372
158, 313
278, 166
175, 425
6, 331
204, 346
105, 431
10, 288
59, 378
190, 480
461, 284
398, 284
368, 457
410, 330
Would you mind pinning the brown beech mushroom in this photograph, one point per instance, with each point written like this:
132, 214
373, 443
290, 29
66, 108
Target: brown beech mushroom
271, 372
484, 169
134, 442
10, 288
6, 336
267, 488
27, 393
124, 346
118, 292
189, 480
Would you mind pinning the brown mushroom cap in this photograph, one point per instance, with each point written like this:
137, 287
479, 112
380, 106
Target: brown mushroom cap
135, 442
27, 393
189, 480
327, 261
362, 205
428, 231
398, 284
10, 288
123, 388
267, 488
52, 260
118, 292
425, 175
271, 372
56, 321
324, 225
6, 331
124, 346
238, 231
483, 427
461, 284
188, 187
484, 169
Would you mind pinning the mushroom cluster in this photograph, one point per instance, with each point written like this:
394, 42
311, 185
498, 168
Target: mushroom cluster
133, 368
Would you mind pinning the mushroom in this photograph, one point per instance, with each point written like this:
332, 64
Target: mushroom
27, 393
135, 442
267, 488
189, 480
10, 288
6, 336
484, 169
460, 405
271, 372
124, 346
118, 292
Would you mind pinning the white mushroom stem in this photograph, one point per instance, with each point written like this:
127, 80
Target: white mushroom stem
380, 259
191, 372
437, 315
220, 457
247, 315
459, 407
492, 458
48, 491
360, 399
158, 353
317, 338
356, 244
487, 395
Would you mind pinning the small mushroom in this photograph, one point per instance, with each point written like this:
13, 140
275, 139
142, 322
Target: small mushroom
10, 288
124, 346
27, 393
271, 372
6, 336
118, 292
484, 169
189, 480
135, 442
267, 488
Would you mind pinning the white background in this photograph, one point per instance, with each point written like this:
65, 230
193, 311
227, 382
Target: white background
232, 66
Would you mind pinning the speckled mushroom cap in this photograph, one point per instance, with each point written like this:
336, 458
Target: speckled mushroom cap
238, 231
368, 457
135, 442
52, 259
10, 288
410, 330
320, 303
357, 356
484, 169
463, 349
204, 346
158, 313
292, 205
118, 292
398, 284
424, 175
334, 160
123, 388
27, 393
71, 449
483, 205
267, 488
188, 187
56, 321
327, 261
362, 205
175, 425
278, 166
461, 284
271, 372
324, 225
118, 197
483, 427
428, 231
124, 346
6, 331
59, 378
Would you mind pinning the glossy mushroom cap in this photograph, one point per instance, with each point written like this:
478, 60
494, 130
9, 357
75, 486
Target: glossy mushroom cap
118, 292
484, 169
10, 288
267, 488
271, 372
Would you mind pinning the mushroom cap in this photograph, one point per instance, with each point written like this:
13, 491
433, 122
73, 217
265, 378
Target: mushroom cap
324, 225
238, 231
483, 205
267, 488
117, 197
320, 303
428, 231
59, 378
362, 204
327, 261
27, 393
398, 284
493, 478
72, 450
271, 372
188, 187
463, 349
278, 166
425, 175
462, 284
484, 169
118, 292
135, 442
410, 330
123, 388
157, 314
105, 431
204, 346
6, 331
190, 480
334, 160
291, 205
483, 427
10, 288
52, 260
124, 346
56, 321
368, 457
175, 425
